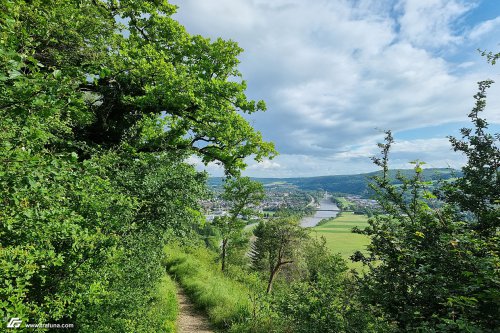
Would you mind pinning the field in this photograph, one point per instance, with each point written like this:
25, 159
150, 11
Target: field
339, 237
344, 203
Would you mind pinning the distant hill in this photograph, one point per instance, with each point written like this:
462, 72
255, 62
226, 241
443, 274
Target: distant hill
349, 184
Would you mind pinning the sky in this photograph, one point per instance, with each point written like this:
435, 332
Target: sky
336, 73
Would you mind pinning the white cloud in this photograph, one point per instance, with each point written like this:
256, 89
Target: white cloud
435, 152
429, 22
421, 145
334, 72
264, 165
484, 28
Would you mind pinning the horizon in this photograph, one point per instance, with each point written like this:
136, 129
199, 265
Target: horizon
335, 175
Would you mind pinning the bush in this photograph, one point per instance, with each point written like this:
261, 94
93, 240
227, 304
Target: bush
326, 299
163, 309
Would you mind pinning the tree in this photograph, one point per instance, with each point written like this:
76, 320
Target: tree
478, 191
243, 195
436, 271
277, 244
133, 75
101, 102
325, 298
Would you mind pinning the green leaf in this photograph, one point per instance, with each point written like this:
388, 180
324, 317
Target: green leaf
56, 74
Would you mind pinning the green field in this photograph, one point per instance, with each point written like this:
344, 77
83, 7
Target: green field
339, 237
344, 203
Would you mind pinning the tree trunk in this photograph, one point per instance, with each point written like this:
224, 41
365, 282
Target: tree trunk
271, 279
223, 255
273, 274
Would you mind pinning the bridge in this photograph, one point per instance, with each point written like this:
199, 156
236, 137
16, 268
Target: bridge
327, 210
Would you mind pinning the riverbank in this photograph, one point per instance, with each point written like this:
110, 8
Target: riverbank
326, 210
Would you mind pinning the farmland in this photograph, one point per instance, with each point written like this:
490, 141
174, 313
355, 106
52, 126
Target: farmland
339, 237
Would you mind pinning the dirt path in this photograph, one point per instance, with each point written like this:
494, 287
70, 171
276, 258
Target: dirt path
190, 320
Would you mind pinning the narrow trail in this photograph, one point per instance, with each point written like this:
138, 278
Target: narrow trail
190, 320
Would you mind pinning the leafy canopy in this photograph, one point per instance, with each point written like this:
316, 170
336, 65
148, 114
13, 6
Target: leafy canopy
101, 102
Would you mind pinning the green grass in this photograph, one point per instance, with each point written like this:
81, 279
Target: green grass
159, 314
164, 305
339, 237
225, 300
344, 203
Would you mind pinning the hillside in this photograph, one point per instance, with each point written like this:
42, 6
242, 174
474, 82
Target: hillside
349, 184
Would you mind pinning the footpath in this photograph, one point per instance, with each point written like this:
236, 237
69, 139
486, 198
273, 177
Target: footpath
190, 320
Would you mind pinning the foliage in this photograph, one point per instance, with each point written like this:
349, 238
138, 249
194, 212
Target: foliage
122, 63
437, 272
74, 243
225, 300
490, 56
101, 102
326, 300
277, 244
242, 195
53, 233
478, 191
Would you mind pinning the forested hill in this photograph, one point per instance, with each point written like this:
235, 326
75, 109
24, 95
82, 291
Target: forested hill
349, 184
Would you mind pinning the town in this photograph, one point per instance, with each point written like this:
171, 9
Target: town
281, 195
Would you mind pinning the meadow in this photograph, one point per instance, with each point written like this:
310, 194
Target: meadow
340, 239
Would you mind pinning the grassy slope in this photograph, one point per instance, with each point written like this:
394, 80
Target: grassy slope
223, 299
339, 238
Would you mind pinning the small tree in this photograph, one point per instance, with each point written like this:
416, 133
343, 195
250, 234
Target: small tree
437, 272
276, 245
478, 191
243, 195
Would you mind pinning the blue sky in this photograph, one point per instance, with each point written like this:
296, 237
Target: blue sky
335, 73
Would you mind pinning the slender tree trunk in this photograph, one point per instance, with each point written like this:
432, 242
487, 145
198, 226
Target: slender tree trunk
271, 279
274, 269
273, 274
223, 255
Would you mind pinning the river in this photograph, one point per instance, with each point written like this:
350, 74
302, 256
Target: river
328, 210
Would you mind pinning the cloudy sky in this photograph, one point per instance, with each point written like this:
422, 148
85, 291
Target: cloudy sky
335, 73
